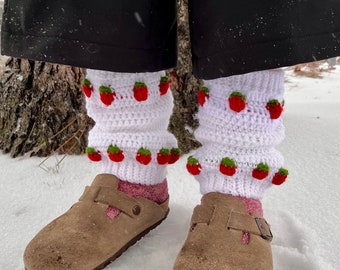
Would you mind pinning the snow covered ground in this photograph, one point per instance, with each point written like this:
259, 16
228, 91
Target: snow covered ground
304, 212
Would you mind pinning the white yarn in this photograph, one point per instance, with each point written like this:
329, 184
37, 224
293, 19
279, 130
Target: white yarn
248, 137
130, 124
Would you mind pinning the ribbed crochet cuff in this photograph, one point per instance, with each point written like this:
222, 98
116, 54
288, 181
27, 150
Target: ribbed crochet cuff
135, 172
242, 183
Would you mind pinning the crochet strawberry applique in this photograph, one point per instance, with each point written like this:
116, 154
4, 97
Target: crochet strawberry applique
87, 87
143, 156
164, 85
237, 101
228, 166
280, 177
175, 154
107, 95
140, 91
202, 95
261, 171
193, 166
92, 154
115, 153
163, 156
275, 108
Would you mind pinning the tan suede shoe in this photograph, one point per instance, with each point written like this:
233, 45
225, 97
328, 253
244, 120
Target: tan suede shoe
215, 238
84, 238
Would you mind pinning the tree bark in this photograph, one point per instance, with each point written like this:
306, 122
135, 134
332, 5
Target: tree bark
184, 87
41, 109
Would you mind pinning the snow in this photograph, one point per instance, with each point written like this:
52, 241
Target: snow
303, 213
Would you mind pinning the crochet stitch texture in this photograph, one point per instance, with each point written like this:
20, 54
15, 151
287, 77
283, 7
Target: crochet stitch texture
130, 124
249, 137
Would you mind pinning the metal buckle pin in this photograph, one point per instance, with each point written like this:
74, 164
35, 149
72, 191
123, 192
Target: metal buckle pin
264, 235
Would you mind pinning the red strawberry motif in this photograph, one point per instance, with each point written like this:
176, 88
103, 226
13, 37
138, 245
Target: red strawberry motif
237, 101
164, 85
163, 156
202, 95
87, 87
275, 108
140, 91
92, 154
114, 153
280, 177
228, 166
193, 166
107, 95
143, 156
261, 171
175, 154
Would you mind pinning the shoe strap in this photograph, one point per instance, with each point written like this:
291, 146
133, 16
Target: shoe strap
251, 224
236, 221
112, 197
202, 214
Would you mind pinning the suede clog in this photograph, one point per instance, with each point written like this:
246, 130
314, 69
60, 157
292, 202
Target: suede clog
84, 238
215, 242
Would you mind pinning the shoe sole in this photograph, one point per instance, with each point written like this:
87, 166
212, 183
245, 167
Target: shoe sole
129, 244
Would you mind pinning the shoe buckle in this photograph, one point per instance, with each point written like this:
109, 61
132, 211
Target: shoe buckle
263, 233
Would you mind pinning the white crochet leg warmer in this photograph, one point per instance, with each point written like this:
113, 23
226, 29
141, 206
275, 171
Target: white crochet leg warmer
131, 122
248, 137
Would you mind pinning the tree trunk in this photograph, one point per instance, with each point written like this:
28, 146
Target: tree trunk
42, 109
184, 87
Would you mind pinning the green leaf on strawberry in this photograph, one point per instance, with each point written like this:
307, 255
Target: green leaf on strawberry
202, 95
228, 166
175, 154
115, 153
164, 85
140, 91
193, 166
87, 87
261, 171
163, 156
93, 154
275, 108
107, 95
143, 156
237, 101
280, 176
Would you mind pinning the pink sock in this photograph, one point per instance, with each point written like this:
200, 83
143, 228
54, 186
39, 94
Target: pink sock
252, 206
157, 193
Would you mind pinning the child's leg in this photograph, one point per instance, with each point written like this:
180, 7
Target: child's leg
129, 196
240, 124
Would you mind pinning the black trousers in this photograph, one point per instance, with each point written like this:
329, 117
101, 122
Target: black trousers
227, 37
